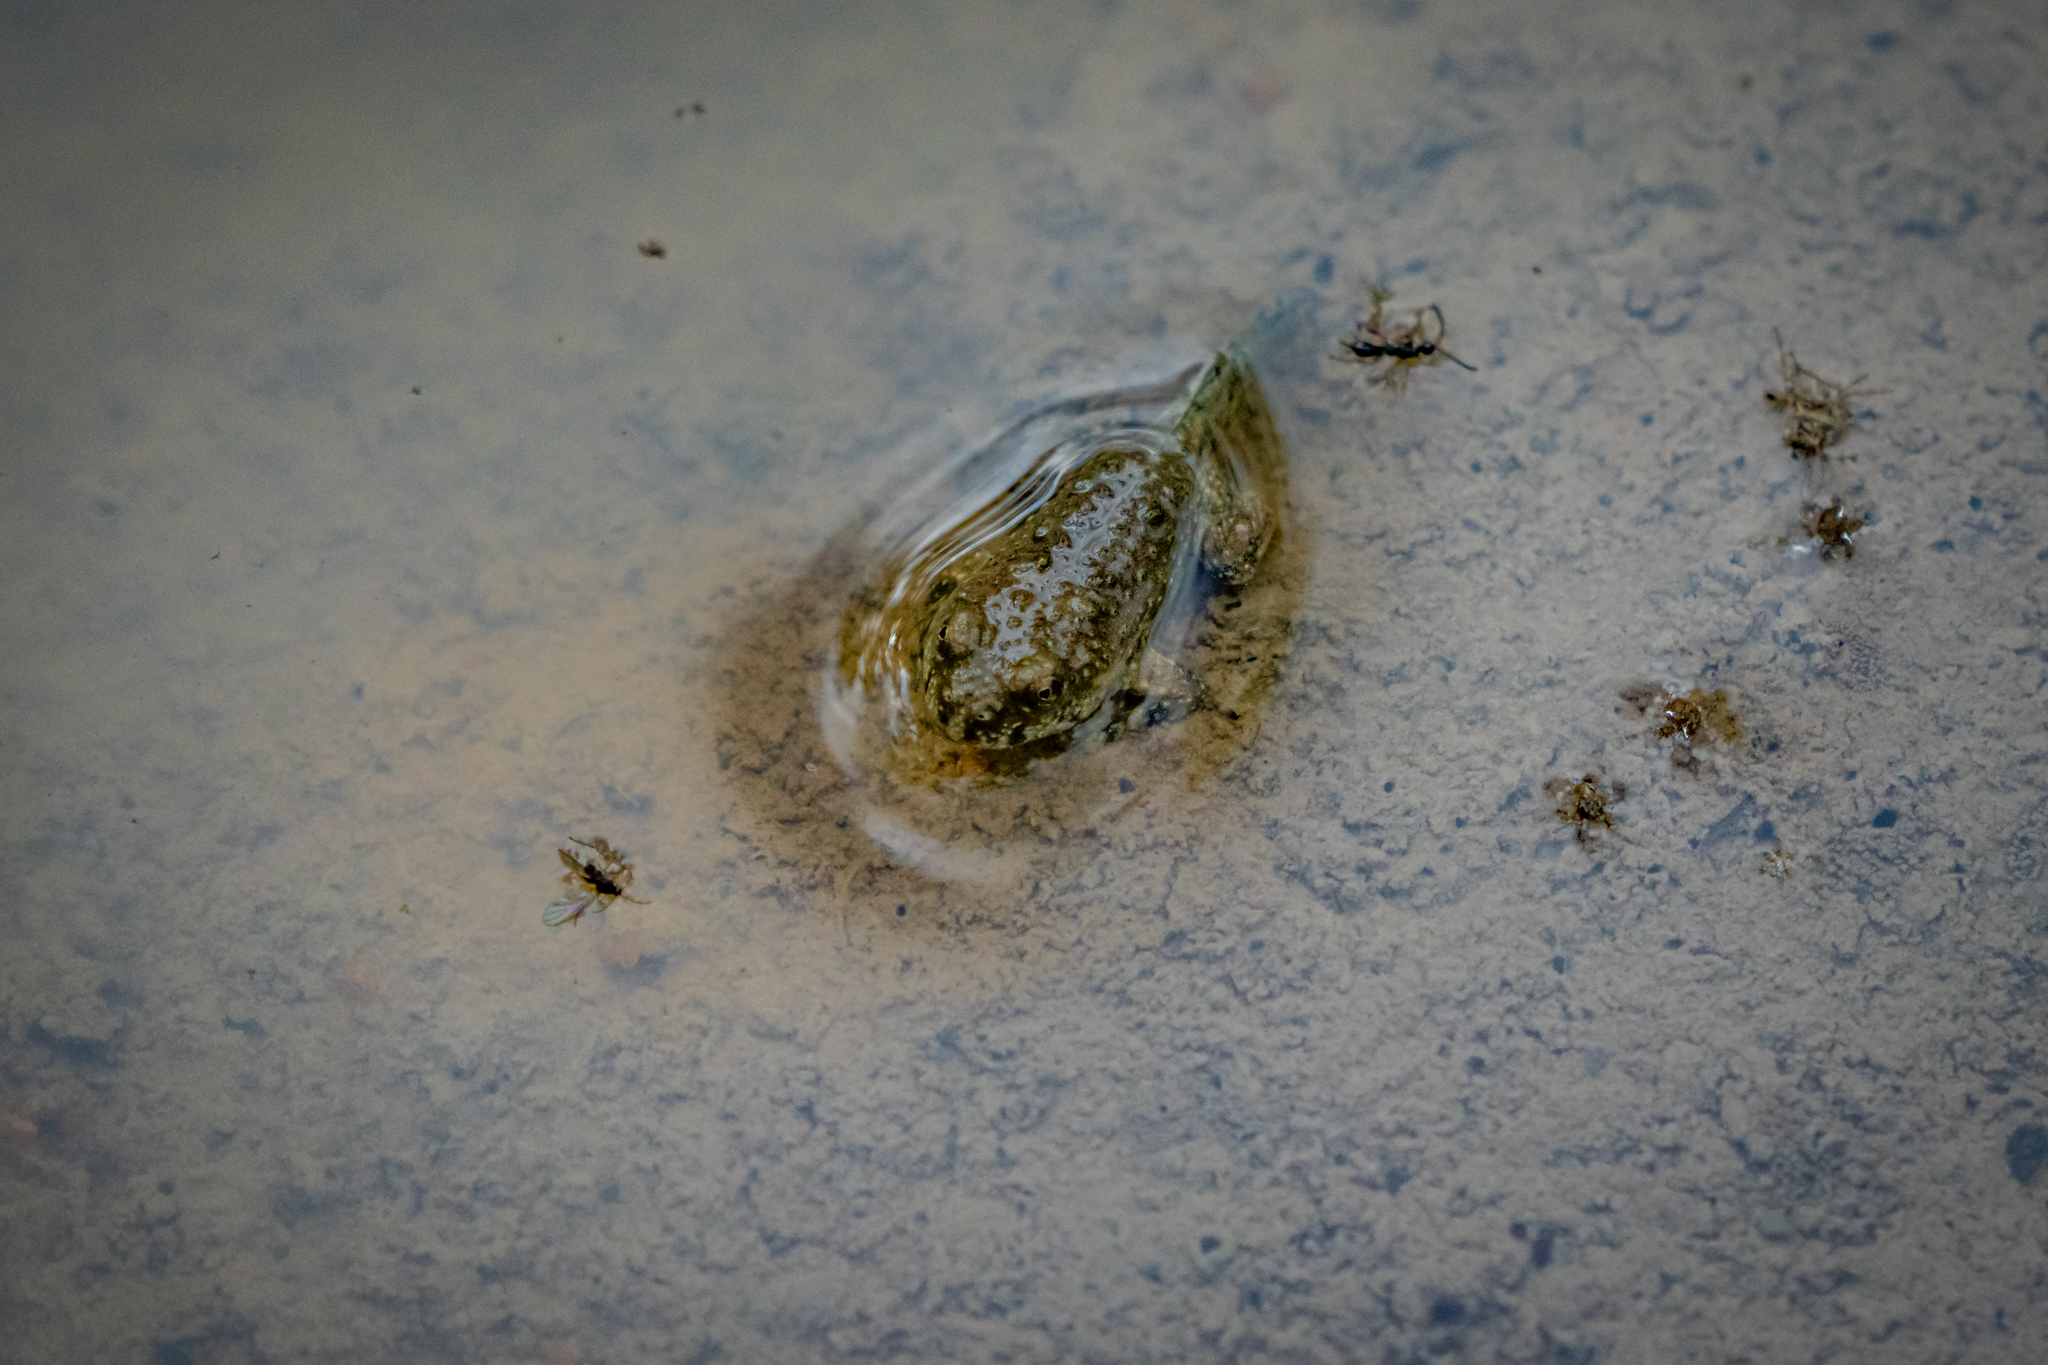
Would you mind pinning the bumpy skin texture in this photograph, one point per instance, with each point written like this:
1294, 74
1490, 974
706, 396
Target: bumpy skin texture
1029, 634
1032, 629
1227, 420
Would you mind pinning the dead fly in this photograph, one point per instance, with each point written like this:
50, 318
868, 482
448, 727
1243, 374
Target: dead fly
1407, 346
1816, 411
1834, 528
593, 883
1583, 803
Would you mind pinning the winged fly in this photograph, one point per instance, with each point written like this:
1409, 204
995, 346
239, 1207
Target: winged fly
1583, 803
594, 883
1406, 346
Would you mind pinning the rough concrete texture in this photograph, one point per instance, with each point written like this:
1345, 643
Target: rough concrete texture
374, 516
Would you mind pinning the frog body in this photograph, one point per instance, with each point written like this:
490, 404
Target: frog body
1017, 620
1029, 633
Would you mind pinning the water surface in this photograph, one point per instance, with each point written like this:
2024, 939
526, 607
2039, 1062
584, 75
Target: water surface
377, 516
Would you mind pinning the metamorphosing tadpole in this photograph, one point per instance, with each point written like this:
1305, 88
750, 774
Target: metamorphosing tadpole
1406, 346
1816, 411
593, 883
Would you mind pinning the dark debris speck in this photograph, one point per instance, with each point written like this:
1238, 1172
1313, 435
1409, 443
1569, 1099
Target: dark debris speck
2026, 1152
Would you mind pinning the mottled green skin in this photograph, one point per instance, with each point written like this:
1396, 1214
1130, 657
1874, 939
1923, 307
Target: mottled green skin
1228, 437
1028, 634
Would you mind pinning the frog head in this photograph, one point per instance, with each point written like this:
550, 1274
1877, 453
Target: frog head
987, 687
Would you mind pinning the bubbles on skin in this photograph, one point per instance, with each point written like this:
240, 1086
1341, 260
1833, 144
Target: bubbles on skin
1040, 590
1044, 621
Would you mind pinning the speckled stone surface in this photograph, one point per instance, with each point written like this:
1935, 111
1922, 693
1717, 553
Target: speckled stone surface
374, 516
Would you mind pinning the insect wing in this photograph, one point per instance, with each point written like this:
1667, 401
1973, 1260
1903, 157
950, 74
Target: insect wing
563, 909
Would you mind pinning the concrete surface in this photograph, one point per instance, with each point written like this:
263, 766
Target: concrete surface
374, 516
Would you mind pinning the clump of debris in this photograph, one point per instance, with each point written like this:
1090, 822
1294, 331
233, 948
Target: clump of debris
1816, 410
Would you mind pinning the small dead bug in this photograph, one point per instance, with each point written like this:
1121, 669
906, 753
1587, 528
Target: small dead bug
1687, 719
1816, 410
1406, 346
594, 883
1834, 528
1583, 803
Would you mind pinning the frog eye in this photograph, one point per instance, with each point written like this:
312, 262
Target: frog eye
1050, 690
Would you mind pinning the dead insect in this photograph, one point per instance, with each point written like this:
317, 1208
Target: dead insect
1778, 864
1681, 719
1407, 346
1833, 528
593, 883
1817, 411
1697, 710
1583, 803
653, 249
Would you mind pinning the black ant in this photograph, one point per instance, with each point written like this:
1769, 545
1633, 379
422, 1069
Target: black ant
1406, 346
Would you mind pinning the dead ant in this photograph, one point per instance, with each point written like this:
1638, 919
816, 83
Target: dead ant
594, 883
1817, 410
1407, 346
